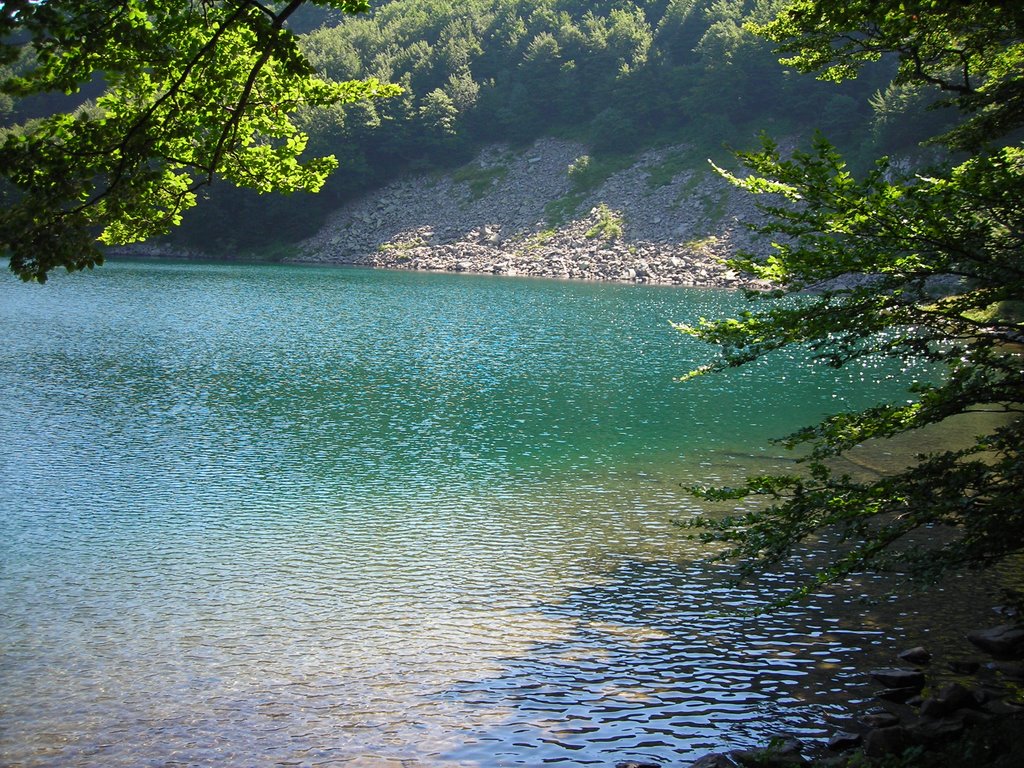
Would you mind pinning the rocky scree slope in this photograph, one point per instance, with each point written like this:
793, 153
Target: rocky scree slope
644, 224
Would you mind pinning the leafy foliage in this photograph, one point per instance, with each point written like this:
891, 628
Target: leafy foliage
194, 91
616, 76
971, 50
608, 225
927, 266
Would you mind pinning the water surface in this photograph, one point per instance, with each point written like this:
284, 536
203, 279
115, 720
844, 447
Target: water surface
258, 516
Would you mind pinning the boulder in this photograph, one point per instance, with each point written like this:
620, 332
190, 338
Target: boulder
844, 740
887, 741
1001, 708
714, 760
973, 717
933, 731
781, 753
965, 666
916, 655
1004, 640
1011, 669
880, 720
948, 700
900, 678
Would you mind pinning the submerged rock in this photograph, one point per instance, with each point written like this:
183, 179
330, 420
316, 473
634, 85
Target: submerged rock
898, 695
880, 720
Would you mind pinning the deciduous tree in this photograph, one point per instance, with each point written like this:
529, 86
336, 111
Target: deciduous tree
194, 90
927, 265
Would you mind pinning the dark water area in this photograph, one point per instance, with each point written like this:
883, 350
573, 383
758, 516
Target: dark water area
264, 515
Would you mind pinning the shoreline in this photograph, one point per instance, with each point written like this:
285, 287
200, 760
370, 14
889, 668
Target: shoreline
144, 254
659, 221
565, 254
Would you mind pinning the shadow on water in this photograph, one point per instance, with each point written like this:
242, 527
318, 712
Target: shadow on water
667, 662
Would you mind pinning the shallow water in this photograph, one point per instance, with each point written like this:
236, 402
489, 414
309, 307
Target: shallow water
260, 516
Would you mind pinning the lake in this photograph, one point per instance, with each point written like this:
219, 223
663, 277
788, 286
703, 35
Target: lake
272, 515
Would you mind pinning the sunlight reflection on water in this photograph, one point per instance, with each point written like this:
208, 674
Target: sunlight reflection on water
261, 516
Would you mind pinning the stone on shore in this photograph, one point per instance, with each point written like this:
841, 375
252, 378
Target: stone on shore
661, 236
900, 678
916, 655
1004, 640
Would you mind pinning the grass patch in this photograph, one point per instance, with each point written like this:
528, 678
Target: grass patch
400, 249
608, 225
536, 241
480, 180
701, 242
674, 164
559, 211
586, 173
713, 203
1009, 311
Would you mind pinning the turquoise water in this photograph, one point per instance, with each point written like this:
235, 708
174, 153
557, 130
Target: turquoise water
265, 515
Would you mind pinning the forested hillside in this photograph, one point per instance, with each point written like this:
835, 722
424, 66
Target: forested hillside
618, 76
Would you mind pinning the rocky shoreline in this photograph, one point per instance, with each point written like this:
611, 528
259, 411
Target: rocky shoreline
643, 224
912, 714
663, 220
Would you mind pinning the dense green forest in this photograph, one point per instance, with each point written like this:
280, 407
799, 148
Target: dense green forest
618, 76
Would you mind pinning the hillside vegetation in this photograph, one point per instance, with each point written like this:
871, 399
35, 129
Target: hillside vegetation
619, 77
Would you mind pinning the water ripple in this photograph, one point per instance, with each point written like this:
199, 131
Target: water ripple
260, 516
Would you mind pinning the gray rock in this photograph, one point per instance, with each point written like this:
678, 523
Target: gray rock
949, 699
917, 655
933, 731
715, 760
887, 741
436, 219
900, 678
1004, 640
880, 720
844, 740
899, 695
